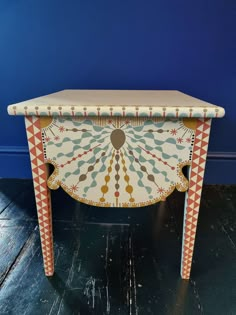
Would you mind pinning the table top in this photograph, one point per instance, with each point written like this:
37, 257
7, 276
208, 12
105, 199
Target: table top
126, 103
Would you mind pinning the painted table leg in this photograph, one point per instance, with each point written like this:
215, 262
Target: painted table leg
193, 196
42, 193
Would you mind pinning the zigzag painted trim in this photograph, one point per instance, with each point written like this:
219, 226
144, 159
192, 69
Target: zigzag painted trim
193, 196
42, 194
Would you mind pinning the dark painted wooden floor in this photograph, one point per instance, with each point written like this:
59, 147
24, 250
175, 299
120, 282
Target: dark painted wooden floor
116, 261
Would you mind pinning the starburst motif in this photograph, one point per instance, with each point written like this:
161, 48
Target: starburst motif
61, 128
188, 140
74, 188
180, 140
160, 190
47, 139
173, 132
56, 138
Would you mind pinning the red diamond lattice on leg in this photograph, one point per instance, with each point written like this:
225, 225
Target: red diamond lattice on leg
192, 202
42, 194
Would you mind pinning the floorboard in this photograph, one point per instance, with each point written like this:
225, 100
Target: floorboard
116, 261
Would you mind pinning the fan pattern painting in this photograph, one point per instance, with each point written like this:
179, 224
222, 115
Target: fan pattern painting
115, 161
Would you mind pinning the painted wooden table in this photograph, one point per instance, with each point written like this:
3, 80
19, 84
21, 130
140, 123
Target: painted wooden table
118, 149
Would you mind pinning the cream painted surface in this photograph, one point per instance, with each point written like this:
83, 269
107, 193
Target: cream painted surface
172, 103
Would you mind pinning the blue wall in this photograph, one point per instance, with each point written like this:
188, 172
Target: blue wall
46, 46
